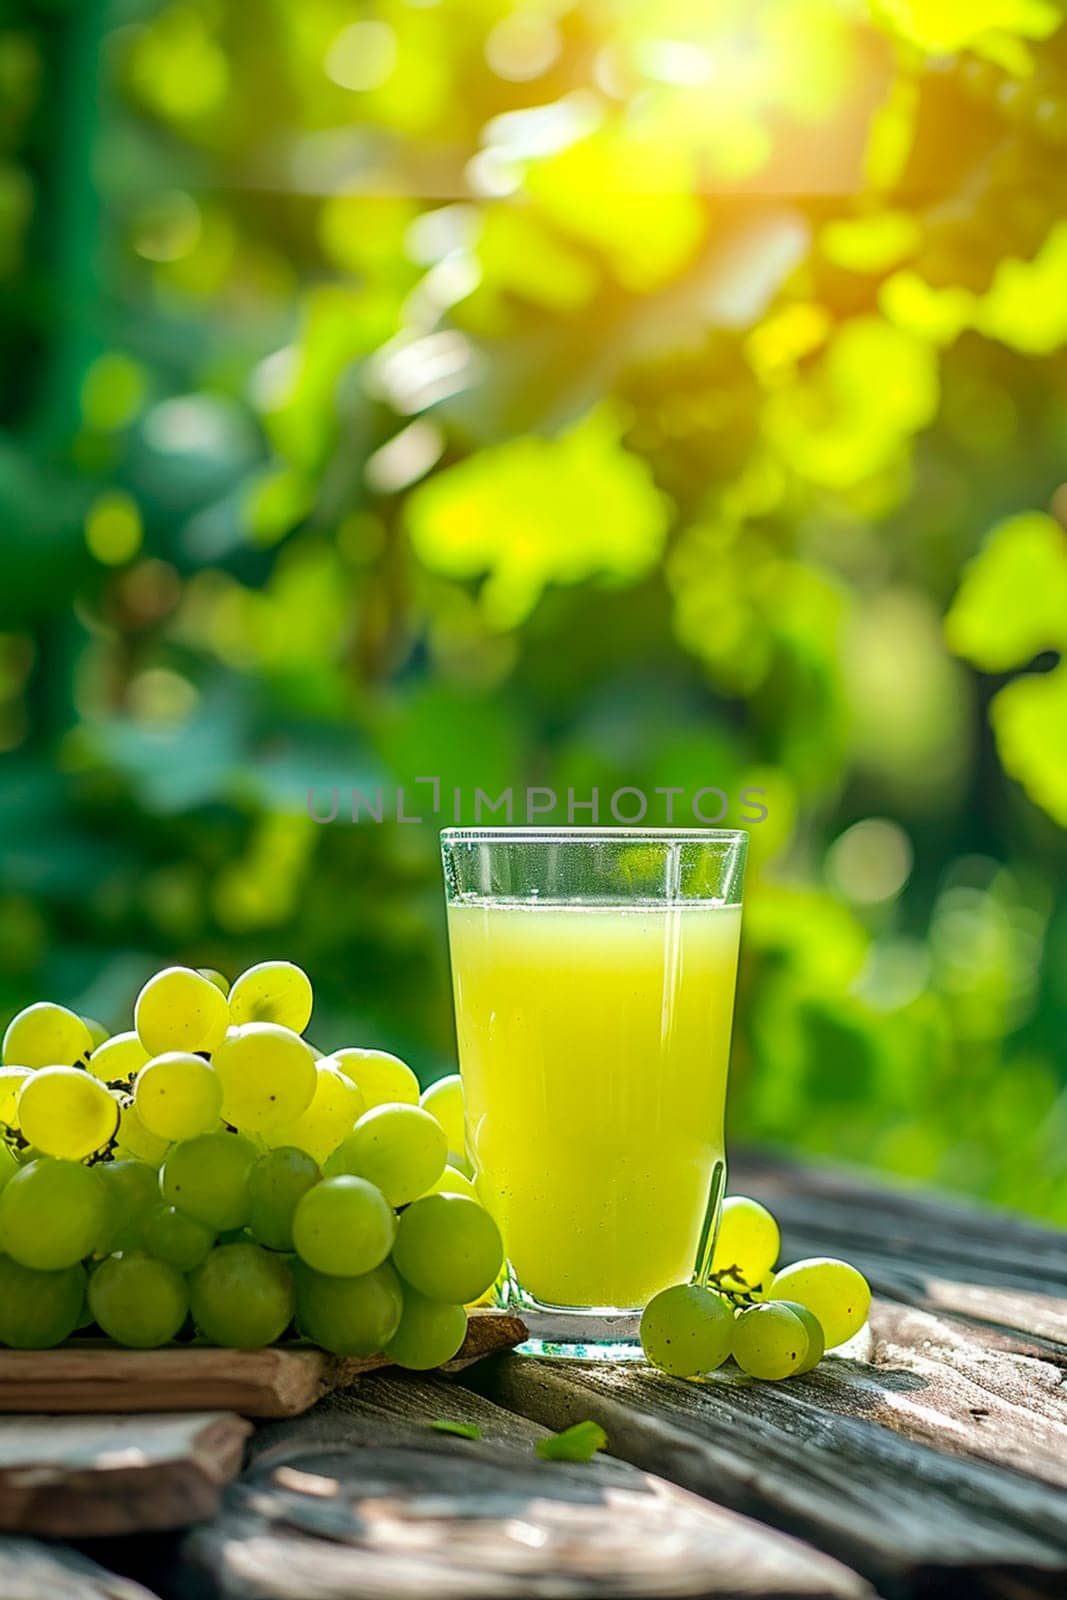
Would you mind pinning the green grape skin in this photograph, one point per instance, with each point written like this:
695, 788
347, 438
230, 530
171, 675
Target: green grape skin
336, 1106
344, 1227
45, 1035
242, 1296
133, 1142
448, 1248
131, 1189
138, 1300
348, 1316
748, 1238
11, 1082
118, 1059
66, 1112
813, 1328
430, 1333
98, 1034
687, 1330
276, 1184
207, 1178
171, 1236
52, 1214
213, 975
444, 1100
273, 991
401, 1149
38, 1310
380, 1077
268, 1076
179, 1010
452, 1181
9, 1164
178, 1096
769, 1341
834, 1291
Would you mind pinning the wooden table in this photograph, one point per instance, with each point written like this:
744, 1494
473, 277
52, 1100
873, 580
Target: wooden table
938, 1467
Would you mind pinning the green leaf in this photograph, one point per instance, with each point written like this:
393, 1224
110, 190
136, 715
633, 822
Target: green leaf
1012, 602
461, 1430
579, 1442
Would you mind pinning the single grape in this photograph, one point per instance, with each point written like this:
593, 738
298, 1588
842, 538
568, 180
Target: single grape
137, 1300
348, 1316
133, 1142
452, 1181
444, 1100
242, 1296
213, 975
117, 1060
180, 1010
276, 1184
97, 1032
178, 1096
38, 1310
813, 1328
687, 1330
769, 1341
207, 1178
268, 1076
837, 1294
335, 1108
273, 991
448, 1247
748, 1239
66, 1112
430, 1332
343, 1226
52, 1214
399, 1148
131, 1189
11, 1082
381, 1078
45, 1035
169, 1235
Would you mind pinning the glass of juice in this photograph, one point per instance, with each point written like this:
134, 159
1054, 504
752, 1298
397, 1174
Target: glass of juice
594, 974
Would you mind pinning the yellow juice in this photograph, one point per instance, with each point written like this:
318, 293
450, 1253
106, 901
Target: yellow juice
594, 1041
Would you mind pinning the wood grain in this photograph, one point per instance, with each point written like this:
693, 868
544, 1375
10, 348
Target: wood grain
363, 1497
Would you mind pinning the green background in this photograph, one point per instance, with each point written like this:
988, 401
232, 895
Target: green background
571, 394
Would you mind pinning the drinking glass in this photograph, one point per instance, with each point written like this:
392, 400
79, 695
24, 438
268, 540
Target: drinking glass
594, 973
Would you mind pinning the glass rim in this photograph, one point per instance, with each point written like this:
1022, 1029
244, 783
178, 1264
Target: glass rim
525, 835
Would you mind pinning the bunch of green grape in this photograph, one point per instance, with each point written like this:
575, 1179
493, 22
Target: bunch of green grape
774, 1324
209, 1174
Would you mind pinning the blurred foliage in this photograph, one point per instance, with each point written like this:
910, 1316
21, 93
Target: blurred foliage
570, 392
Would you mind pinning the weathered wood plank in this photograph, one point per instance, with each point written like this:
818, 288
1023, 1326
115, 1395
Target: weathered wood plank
363, 1497
71, 1477
32, 1571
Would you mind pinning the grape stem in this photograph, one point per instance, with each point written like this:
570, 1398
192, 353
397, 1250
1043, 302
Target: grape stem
738, 1291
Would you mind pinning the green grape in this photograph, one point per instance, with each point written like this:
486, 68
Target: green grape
430, 1332
207, 1178
242, 1296
66, 1112
813, 1329
277, 1183
9, 1164
348, 1316
52, 1213
138, 1301
748, 1239
178, 1096
769, 1341
272, 991
381, 1078
169, 1235
180, 1010
837, 1294
38, 1310
133, 1142
268, 1076
335, 1107
117, 1060
444, 1100
448, 1247
97, 1032
45, 1035
213, 975
343, 1226
11, 1082
131, 1189
687, 1330
452, 1181
399, 1148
